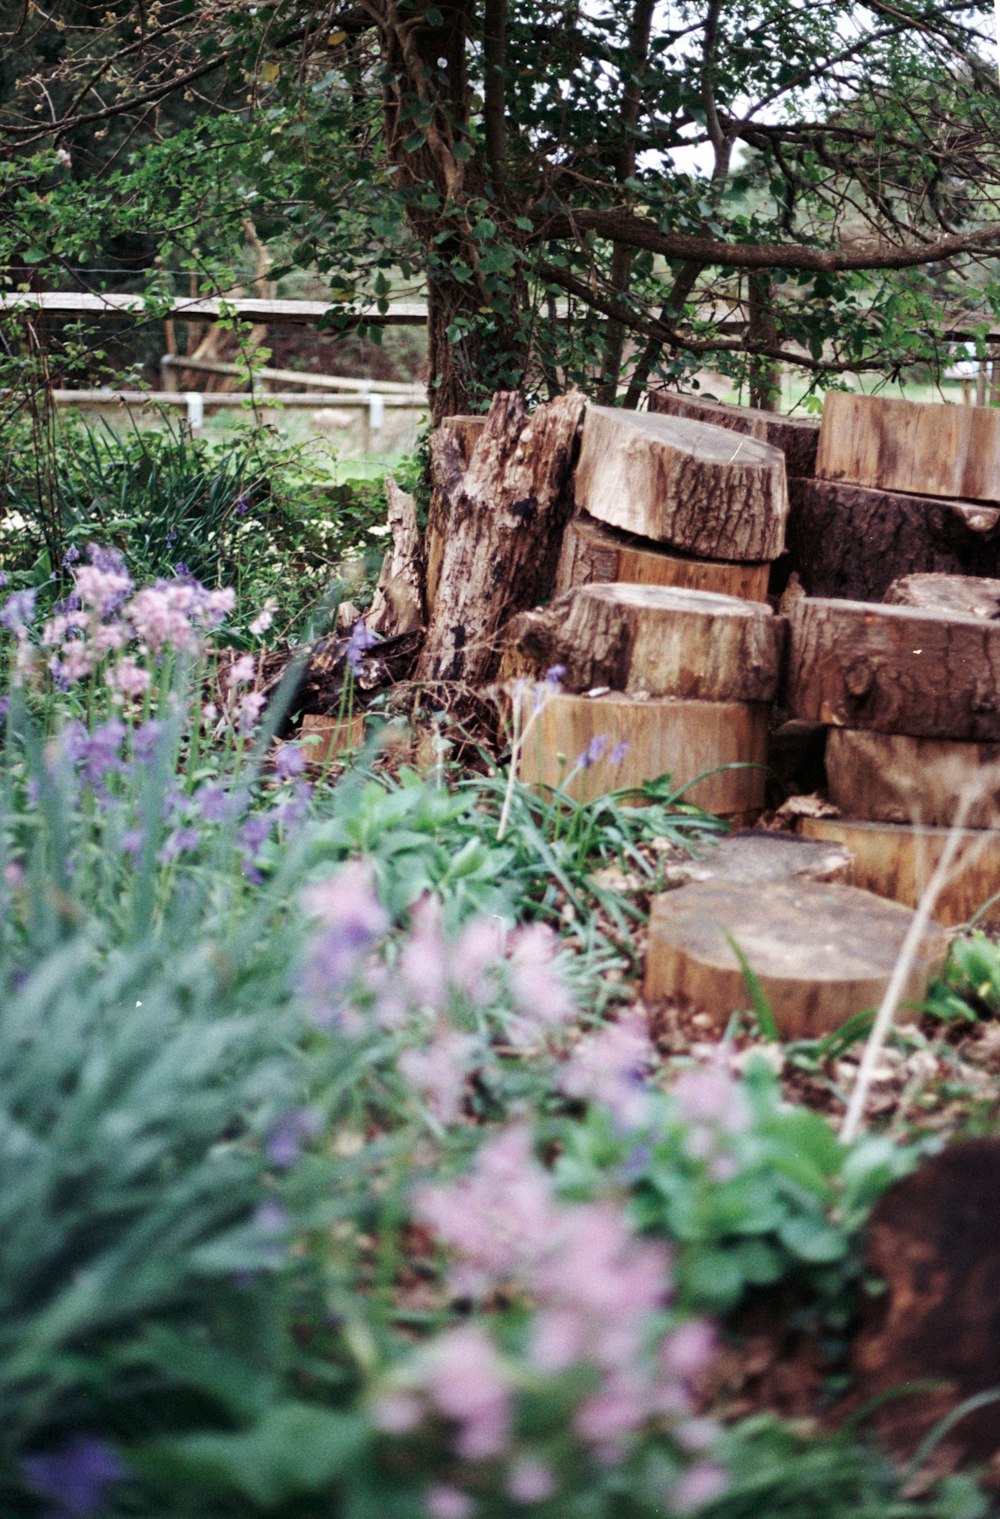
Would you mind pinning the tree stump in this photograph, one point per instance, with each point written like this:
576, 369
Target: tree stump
955, 595
502, 523
820, 952
627, 741
932, 449
892, 778
397, 605
796, 437
933, 1240
849, 541
462, 434
657, 640
751, 857
895, 860
686, 483
592, 553
894, 669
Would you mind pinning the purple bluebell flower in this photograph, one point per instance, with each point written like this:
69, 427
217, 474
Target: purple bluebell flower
242, 506
289, 1134
146, 739
290, 761
171, 537
214, 802
255, 832
593, 752
554, 674
181, 841
4, 580
132, 841
4, 707
358, 645
109, 560
75, 1477
18, 610
71, 555
293, 809
101, 754
619, 752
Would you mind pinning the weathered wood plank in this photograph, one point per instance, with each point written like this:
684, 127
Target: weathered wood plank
961, 595
201, 309
930, 448
694, 486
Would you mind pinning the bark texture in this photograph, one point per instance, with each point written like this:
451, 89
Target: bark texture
895, 860
685, 483
639, 741
796, 437
845, 540
891, 778
820, 952
932, 449
592, 553
397, 605
959, 595
503, 519
894, 669
461, 433
658, 640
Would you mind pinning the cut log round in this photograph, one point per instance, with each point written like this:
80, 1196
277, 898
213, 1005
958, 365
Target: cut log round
592, 553
658, 640
503, 521
892, 778
752, 857
686, 483
640, 740
931, 448
329, 738
846, 540
820, 952
895, 669
454, 437
895, 860
956, 595
797, 437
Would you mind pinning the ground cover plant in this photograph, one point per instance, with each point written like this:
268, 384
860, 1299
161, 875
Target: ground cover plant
340, 1174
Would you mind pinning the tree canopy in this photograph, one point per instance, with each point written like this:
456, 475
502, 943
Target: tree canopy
587, 190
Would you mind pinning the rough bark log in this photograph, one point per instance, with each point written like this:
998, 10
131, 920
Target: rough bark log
931, 1340
930, 448
956, 595
397, 605
845, 540
463, 432
894, 669
891, 778
895, 860
592, 553
640, 740
657, 640
686, 483
751, 857
503, 529
820, 952
797, 437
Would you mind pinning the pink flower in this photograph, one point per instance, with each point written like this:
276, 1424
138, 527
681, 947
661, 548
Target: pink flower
445, 1502
699, 1485
250, 709
709, 1096
438, 1073
609, 1068
241, 670
466, 1383
688, 1350
128, 677
530, 1481
540, 993
264, 617
396, 1412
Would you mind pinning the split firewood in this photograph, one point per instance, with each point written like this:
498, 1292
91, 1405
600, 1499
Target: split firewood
503, 521
895, 669
462, 433
397, 605
896, 860
933, 449
851, 541
893, 778
702, 489
658, 640
796, 437
821, 953
590, 745
957, 595
593, 553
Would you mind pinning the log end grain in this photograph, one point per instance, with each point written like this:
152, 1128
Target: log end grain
593, 552
892, 778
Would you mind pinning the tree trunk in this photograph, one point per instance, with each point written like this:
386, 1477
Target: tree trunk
657, 640
894, 669
821, 953
503, 519
462, 433
592, 553
848, 541
684, 483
